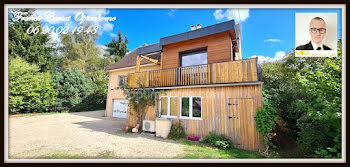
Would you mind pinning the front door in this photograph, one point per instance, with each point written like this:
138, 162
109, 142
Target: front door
241, 116
120, 108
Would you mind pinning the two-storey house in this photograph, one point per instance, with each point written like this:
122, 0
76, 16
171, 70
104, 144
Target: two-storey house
211, 88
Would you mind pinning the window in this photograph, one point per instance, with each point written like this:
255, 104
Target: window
191, 107
168, 107
194, 58
196, 107
122, 79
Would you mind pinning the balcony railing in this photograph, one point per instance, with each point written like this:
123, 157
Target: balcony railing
216, 73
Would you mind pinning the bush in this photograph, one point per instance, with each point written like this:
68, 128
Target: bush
296, 110
177, 131
73, 88
313, 136
30, 90
265, 121
219, 141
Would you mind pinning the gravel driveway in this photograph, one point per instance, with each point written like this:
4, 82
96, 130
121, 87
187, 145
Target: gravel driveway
83, 135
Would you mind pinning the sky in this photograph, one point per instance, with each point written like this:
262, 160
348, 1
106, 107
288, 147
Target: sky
266, 33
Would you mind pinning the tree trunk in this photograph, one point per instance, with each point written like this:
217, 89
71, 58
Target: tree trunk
140, 116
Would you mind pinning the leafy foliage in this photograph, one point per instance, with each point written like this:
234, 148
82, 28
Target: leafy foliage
99, 85
265, 117
322, 82
86, 90
140, 98
177, 131
216, 140
30, 90
118, 48
265, 121
307, 94
34, 48
80, 52
73, 88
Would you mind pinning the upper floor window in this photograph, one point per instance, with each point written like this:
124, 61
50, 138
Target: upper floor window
193, 58
122, 80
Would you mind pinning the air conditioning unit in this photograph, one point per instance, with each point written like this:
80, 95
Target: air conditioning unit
148, 126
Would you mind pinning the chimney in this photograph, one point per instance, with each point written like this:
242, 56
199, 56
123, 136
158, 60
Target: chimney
193, 28
199, 26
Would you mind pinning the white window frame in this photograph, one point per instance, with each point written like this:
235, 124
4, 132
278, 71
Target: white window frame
190, 108
168, 107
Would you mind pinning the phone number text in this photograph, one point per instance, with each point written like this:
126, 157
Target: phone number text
62, 30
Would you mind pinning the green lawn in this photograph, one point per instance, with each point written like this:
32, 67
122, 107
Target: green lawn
67, 155
197, 150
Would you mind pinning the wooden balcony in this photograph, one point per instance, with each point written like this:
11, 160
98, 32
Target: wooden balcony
216, 73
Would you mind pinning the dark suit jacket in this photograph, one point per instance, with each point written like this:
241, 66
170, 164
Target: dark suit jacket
308, 46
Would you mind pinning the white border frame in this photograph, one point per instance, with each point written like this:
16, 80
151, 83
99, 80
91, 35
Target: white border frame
168, 107
197, 6
190, 108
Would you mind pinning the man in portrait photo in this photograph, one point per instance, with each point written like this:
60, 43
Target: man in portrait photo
317, 32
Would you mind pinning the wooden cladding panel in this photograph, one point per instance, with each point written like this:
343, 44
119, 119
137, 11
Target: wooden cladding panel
235, 71
218, 48
215, 113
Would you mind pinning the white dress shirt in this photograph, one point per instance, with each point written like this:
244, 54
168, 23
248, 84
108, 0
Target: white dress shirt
315, 46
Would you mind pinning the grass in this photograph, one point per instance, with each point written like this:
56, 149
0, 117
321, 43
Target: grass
197, 150
66, 155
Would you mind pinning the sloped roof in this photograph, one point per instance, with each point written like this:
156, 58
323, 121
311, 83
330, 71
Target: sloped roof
201, 32
129, 60
148, 49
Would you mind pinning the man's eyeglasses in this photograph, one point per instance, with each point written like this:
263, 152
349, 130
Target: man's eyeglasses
321, 30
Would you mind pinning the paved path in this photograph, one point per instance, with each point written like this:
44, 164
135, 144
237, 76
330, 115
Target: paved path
82, 134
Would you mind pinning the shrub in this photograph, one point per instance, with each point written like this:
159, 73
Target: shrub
73, 88
219, 141
30, 90
313, 136
265, 121
177, 131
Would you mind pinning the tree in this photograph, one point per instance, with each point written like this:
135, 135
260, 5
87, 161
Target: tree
118, 48
79, 51
31, 91
73, 88
322, 82
307, 92
34, 48
99, 84
139, 99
